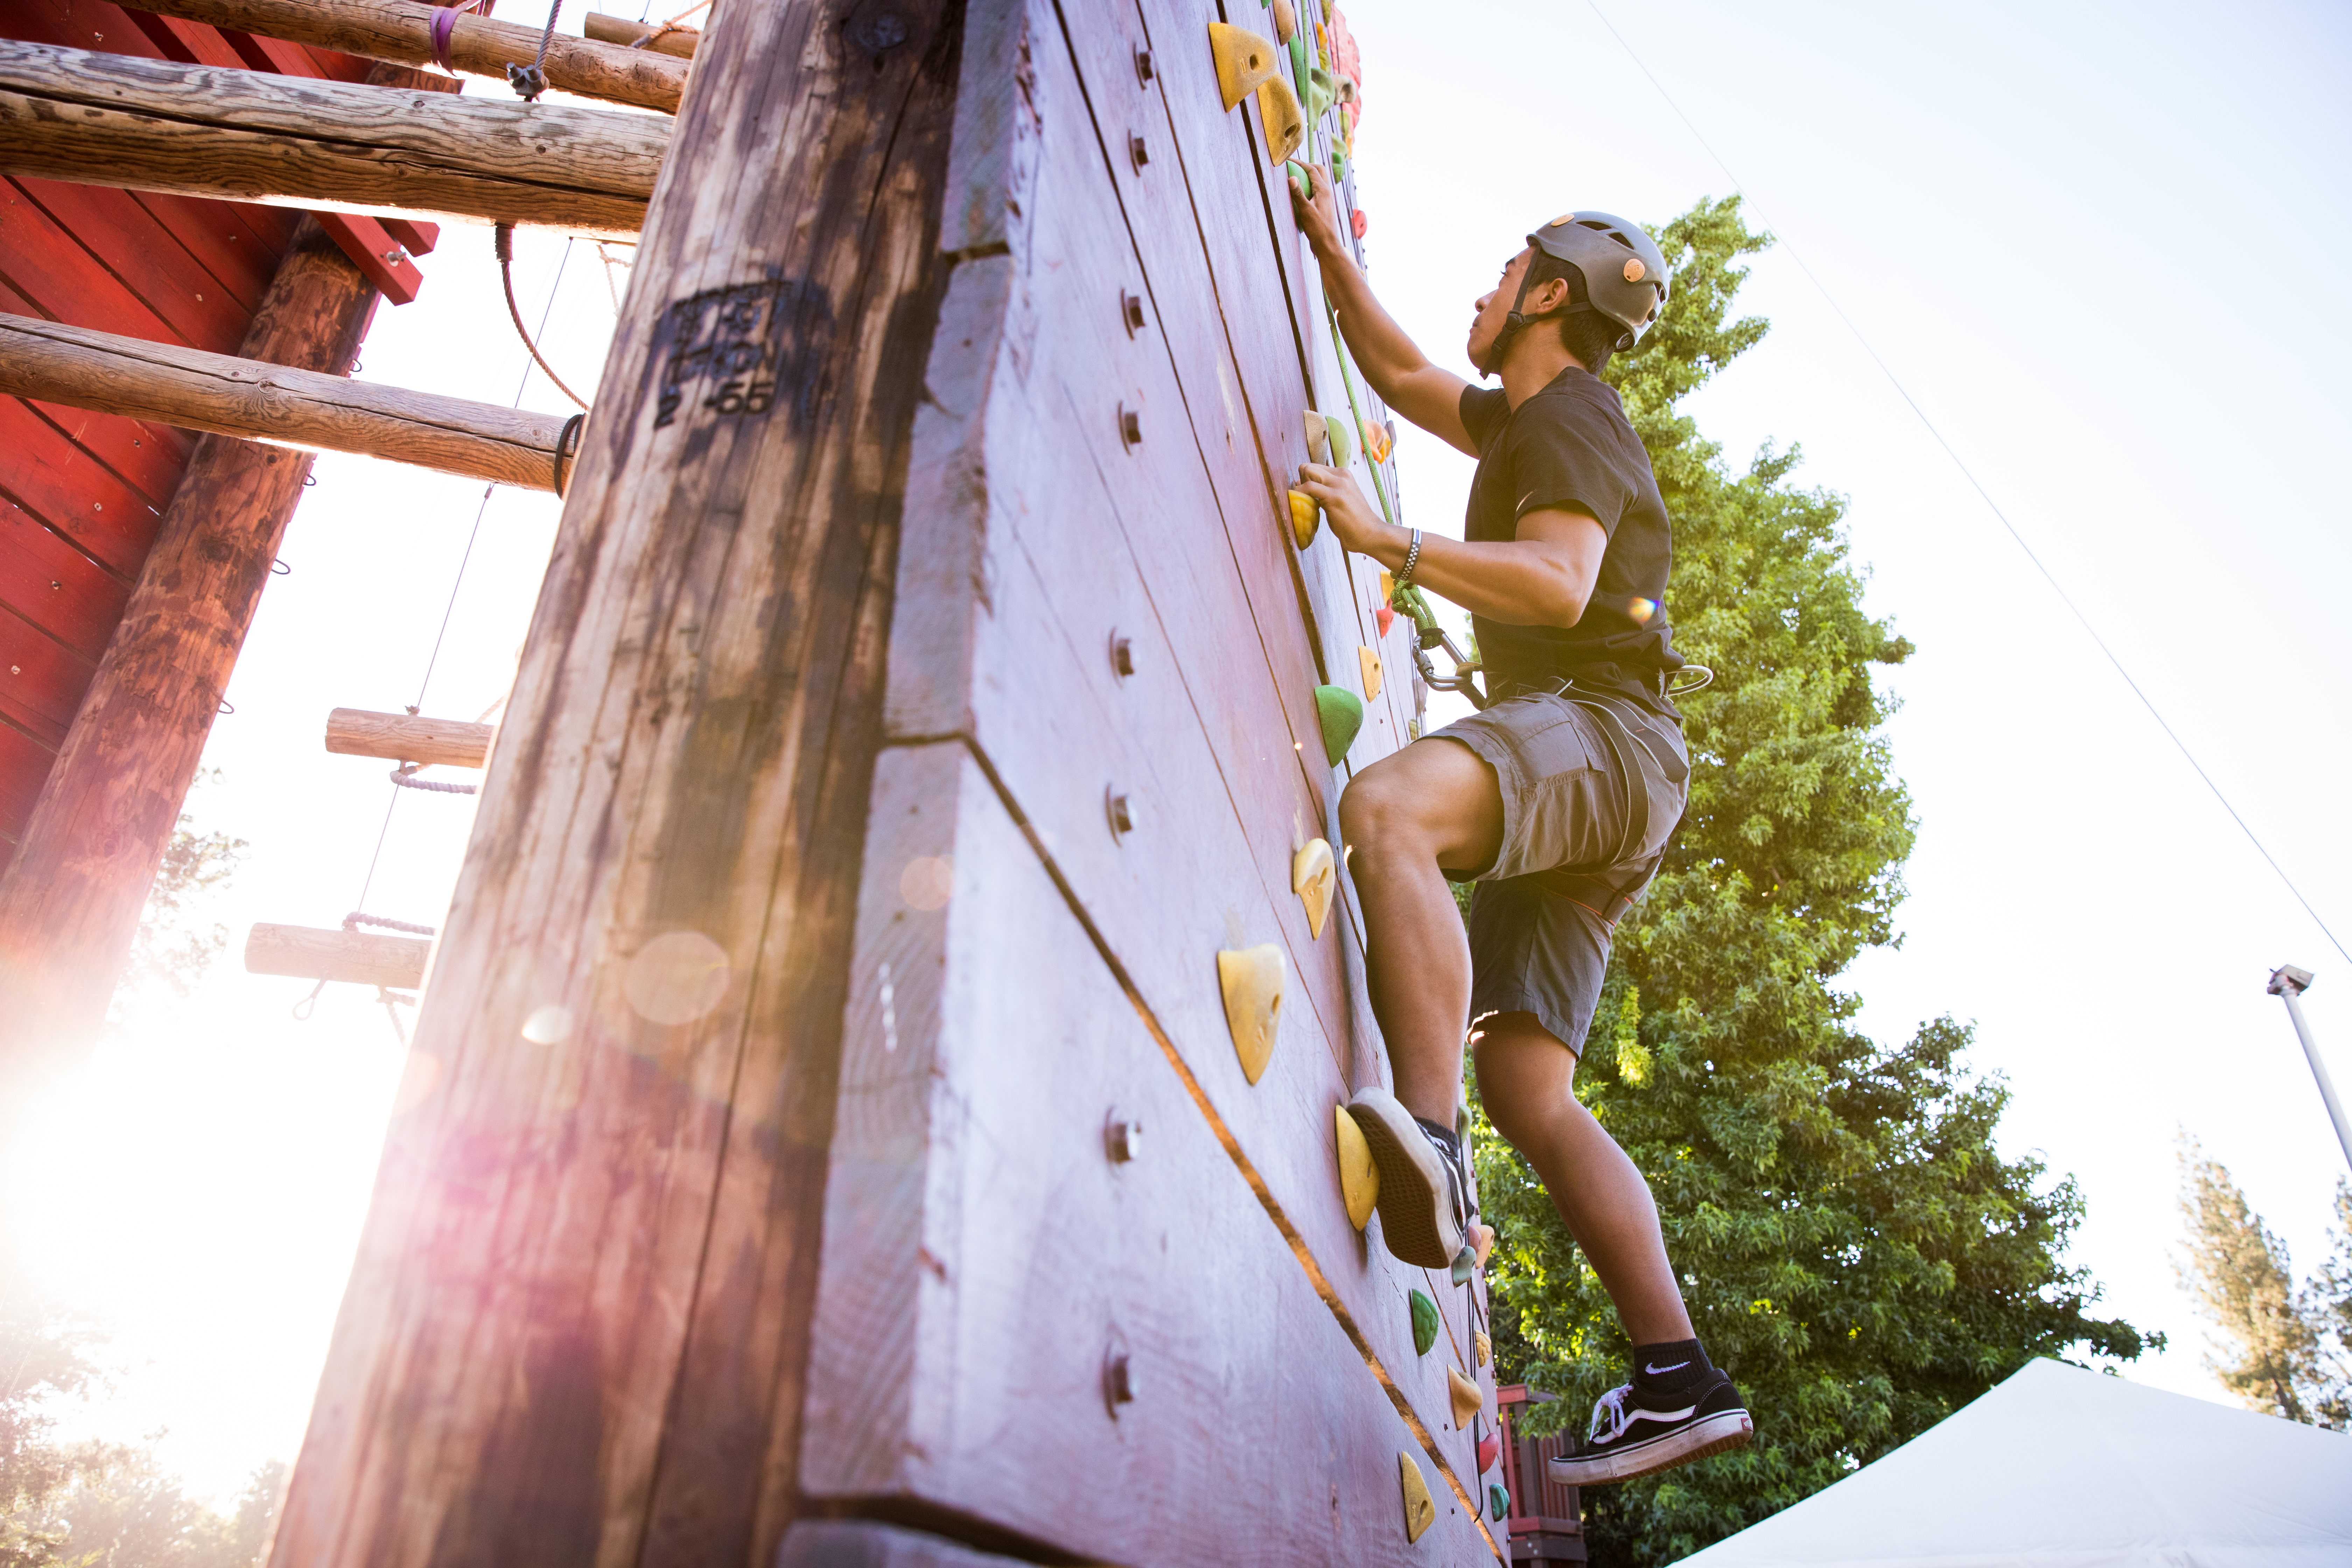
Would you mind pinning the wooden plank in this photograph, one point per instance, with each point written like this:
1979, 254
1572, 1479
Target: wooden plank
260, 401
1016, 576
70, 900
56, 482
400, 33
362, 958
987, 1261
41, 680
65, 114
144, 458
49, 583
43, 263
24, 761
407, 737
147, 258
578, 1319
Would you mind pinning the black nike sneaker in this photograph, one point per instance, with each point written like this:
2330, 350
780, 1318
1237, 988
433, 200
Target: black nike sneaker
1422, 1211
1640, 1434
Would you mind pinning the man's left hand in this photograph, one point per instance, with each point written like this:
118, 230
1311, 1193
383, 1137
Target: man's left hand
1351, 516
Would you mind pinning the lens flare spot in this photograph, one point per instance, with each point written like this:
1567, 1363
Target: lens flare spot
546, 1025
419, 1076
1639, 611
676, 977
928, 882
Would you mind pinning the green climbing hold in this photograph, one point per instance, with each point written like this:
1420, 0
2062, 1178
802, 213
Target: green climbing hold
1338, 166
1499, 1500
1424, 1322
1298, 62
1341, 713
1321, 93
1299, 179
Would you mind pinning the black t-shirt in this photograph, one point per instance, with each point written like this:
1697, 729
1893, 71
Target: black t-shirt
1572, 445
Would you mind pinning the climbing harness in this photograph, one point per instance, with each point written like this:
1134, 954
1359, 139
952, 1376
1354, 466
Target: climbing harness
502, 241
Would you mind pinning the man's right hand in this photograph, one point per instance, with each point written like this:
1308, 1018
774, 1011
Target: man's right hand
1319, 217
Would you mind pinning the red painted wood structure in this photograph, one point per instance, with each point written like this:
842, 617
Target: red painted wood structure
80, 492
875, 1098
1543, 1518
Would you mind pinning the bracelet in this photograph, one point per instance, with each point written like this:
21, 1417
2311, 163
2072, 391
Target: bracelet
1411, 560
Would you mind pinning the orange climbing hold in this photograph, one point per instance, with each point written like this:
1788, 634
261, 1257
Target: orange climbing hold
1315, 878
1285, 121
1305, 518
1482, 1241
1244, 61
1485, 1348
1468, 1397
1252, 981
1420, 1508
1359, 1179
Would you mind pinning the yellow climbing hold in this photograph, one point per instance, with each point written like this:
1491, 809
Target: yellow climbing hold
1359, 1179
1420, 1509
1485, 1347
1314, 878
1251, 980
1468, 1397
1482, 1240
1388, 586
1371, 663
1305, 518
1244, 61
1285, 121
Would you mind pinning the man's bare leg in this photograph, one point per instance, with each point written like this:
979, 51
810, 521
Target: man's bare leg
1435, 804
1527, 1082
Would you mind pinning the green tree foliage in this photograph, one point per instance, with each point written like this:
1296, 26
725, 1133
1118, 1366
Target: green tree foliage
1854, 1249
2289, 1352
177, 945
99, 1505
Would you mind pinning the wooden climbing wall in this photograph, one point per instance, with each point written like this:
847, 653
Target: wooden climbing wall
825, 1135
1104, 756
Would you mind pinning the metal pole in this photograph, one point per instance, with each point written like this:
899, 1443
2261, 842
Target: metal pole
2289, 983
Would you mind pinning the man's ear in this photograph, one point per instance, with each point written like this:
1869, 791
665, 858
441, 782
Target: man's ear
1549, 296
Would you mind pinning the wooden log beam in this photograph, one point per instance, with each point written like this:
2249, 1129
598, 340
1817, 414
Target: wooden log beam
402, 32
578, 1317
407, 737
626, 31
70, 899
157, 125
226, 395
306, 952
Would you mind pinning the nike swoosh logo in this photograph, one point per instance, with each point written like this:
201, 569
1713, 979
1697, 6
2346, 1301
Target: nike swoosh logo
1662, 1370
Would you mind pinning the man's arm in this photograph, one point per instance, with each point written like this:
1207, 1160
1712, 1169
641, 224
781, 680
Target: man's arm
1391, 361
1543, 577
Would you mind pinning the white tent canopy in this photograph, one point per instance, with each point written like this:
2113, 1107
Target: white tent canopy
2060, 1467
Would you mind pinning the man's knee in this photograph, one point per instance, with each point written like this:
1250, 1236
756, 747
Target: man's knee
1526, 1074
1378, 810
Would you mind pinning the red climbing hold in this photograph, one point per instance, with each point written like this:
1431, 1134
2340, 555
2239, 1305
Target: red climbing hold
1387, 617
1359, 222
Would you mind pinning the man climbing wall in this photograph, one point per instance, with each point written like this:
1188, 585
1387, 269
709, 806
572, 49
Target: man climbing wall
1557, 798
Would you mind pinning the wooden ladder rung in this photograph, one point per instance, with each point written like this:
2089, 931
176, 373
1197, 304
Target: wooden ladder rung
407, 737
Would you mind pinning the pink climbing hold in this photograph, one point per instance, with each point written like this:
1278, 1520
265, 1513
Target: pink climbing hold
1359, 222
1345, 57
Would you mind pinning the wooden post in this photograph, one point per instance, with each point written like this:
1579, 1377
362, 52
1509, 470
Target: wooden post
231, 394
626, 30
407, 737
358, 957
69, 901
156, 125
576, 1326
403, 34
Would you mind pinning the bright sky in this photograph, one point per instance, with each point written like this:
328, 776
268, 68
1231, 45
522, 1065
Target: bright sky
2093, 244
